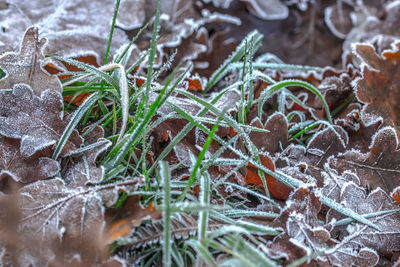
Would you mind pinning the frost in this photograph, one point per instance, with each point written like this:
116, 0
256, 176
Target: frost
377, 168
384, 241
84, 170
26, 66
37, 121
304, 235
268, 9
25, 169
276, 139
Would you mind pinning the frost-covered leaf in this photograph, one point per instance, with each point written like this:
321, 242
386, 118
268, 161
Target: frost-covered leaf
52, 212
26, 66
25, 169
68, 220
385, 241
37, 121
312, 158
303, 236
379, 87
73, 27
268, 9
380, 167
84, 170
276, 140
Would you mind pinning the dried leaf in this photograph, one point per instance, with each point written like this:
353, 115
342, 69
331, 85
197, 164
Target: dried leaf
276, 139
37, 121
385, 241
379, 86
304, 235
25, 169
377, 168
26, 66
84, 170
276, 188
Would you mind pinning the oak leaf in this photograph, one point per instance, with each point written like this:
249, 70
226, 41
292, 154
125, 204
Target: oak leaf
26, 66
379, 87
37, 121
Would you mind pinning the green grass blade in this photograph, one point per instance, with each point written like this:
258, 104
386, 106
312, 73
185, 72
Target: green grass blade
79, 113
165, 174
111, 30
237, 55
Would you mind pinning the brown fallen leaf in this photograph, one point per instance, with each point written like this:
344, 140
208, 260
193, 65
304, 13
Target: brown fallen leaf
121, 222
37, 121
379, 86
303, 235
26, 66
380, 167
23, 169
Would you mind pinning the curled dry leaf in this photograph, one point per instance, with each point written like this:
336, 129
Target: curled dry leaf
377, 168
379, 87
121, 222
37, 121
26, 66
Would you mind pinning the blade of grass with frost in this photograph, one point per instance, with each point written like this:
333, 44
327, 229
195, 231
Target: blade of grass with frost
236, 55
166, 177
177, 256
241, 111
200, 158
92, 71
152, 54
242, 251
272, 89
247, 226
137, 62
192, 207
312, 125
250, 97
249, 213
78, 114
203, 252
275, 66
223, 143
187, 129
86, 148
122, 55
268, 57
111, 31
204, 197
254, 193
235, 126
132, 138
369, 215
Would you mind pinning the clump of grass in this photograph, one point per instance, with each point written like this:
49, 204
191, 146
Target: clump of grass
128, 115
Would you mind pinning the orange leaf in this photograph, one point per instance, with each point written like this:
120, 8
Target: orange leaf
276, 188
194, 84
